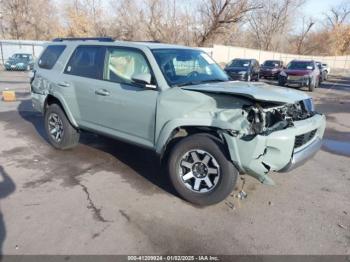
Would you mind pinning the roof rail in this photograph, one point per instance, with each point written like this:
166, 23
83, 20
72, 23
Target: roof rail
101, 39
148, 41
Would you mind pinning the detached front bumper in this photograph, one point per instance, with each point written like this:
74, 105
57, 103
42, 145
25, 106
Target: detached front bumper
281, 151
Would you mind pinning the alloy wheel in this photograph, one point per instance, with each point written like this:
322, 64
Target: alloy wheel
199, 171
55, 126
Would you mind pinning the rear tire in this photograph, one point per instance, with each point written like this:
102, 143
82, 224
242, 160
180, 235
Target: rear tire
61, 134
200, 171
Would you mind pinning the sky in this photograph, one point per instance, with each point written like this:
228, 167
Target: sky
316, 8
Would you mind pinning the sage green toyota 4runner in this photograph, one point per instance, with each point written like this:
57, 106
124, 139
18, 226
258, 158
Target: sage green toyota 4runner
178, 102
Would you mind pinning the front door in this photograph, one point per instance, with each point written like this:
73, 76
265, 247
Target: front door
125, 107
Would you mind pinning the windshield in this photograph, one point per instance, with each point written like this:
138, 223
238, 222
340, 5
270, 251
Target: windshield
271, 63
301, 65
20, 56
188, 67
239, 63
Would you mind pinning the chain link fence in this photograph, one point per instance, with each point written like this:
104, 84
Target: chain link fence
10, 47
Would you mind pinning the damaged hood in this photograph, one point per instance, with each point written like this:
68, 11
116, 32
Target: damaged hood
256, 91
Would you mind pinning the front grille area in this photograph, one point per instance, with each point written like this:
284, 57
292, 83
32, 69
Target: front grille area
301, 140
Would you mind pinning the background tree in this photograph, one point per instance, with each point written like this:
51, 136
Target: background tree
263, 24
218, 16
269, 24
300, 39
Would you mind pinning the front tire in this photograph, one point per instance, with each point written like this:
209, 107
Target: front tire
61, 134
312, 86
200, 171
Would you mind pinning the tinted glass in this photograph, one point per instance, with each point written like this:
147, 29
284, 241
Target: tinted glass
302, 65
86, 61
21, 57
188, 67
123, 64
272, 63
50, 56
240, 63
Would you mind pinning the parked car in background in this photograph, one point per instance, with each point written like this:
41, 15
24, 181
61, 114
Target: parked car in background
327, 68
20, 61
300, 73
323, 71
178, 102
271, 68
243, 69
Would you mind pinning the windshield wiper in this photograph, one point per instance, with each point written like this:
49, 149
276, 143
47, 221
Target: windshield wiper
191, 83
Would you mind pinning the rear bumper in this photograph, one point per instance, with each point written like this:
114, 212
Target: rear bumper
278, 151
38, 101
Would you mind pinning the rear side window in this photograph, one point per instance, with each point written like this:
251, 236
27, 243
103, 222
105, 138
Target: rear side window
86, 61
50, 56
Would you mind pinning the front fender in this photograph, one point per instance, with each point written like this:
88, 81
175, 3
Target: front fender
170, 126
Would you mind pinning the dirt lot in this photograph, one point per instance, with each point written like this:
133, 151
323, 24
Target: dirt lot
106, 197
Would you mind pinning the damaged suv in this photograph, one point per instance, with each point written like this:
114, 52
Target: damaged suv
177, 101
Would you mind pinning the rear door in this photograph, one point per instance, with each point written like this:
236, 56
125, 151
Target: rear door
82, 76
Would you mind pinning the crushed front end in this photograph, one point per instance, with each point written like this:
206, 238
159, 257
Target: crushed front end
274, 137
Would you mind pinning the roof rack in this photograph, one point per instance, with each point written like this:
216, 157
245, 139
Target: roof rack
101, 39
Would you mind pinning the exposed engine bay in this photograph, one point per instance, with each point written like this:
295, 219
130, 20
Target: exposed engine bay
265, 118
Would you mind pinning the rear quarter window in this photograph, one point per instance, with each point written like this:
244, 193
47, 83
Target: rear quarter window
86, 61
50, 56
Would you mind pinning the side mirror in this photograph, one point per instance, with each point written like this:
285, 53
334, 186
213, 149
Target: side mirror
144, 79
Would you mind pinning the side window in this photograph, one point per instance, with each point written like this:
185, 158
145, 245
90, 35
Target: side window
50, 56
122, 64
86, 61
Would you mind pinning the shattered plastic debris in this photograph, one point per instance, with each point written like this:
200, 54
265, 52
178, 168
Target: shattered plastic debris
242, 195
341, 226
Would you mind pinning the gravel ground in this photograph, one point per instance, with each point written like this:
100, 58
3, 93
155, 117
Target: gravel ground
107, 197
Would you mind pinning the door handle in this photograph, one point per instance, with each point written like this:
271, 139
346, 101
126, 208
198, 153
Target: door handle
63, 84
102, 92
